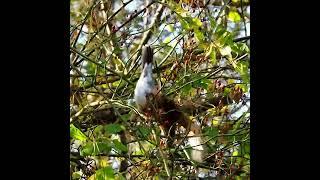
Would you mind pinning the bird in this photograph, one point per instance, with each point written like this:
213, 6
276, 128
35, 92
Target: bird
165, 111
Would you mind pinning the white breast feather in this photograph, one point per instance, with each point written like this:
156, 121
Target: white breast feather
145, 85
196, 152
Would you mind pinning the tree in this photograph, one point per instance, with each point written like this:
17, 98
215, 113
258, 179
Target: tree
201, 51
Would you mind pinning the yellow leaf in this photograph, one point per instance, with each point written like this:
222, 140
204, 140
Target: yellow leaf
103, 163
234, 16
167, 40
230, 81
105, 86
197, 21
210, 50
215, 122
235, 153
93, 177
169, 28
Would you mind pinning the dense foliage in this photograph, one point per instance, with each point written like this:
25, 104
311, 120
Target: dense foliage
201, 49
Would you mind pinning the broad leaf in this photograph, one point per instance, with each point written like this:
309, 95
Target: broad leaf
113, 128
105, 173
211, 131
76, 133
119, 146
143, 131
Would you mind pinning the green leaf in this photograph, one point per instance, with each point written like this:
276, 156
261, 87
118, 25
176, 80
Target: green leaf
184, 23
105, 173
87, 149
212, 22
243, 69
167, 40
235, 153
243, 47
103, 147
203, 83
76, 133
121, 177
113, 128
206, 81
125, 117
220, 31
186, 89
211, 131
178, 9
143, 131
119, 146
213, 57
197, 22
234, 16
199, 35
98, 129
247, 156
247, 147
226, 91
95, 148
76, 175
169, 28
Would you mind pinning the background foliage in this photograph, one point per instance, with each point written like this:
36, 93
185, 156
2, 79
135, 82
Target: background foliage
201, 49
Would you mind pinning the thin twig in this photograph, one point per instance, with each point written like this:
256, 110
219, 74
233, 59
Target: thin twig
112, 71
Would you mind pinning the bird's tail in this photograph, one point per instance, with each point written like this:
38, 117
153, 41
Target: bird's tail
147, 55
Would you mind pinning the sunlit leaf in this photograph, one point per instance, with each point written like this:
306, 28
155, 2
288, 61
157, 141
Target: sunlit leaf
105, 173
244, 72
216, 121
169, 28
87, 149
184, 23
197, 22
199, 35
119, 176
212, 22
98, 129
167, 40
234, 16
247, 156
94, 148
103, 162
235, 153
76, 133
76, 175
213, 57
